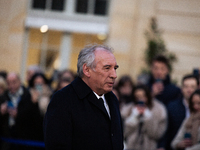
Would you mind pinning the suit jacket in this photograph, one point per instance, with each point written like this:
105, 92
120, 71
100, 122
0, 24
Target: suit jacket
75, 119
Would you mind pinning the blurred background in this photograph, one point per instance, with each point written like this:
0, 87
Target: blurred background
50, 33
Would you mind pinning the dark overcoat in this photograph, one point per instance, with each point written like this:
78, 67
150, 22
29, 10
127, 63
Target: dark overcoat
176, 115
28, 124
76, 120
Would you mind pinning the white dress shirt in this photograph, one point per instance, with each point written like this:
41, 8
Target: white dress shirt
105, 103
187, 112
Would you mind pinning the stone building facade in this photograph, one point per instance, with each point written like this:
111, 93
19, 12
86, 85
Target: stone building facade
121, 25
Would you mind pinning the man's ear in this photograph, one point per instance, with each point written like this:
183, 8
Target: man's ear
86, 70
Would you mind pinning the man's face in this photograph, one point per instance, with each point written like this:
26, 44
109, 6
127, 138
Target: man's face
159, 70
103, 76
188, 87
13, 83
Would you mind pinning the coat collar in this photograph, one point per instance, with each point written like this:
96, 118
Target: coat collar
84, 91
81, 88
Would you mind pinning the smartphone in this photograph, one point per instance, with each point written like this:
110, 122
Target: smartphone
196, 72
187, 135
10, 104
158, 80
39, 87
141, 103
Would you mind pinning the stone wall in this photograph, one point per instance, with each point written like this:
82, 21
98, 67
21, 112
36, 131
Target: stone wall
179, 20
12, 15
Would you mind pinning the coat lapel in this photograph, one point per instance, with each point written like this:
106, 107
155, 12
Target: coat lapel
78, 84
98, 103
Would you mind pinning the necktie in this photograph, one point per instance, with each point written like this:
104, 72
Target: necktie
104, 107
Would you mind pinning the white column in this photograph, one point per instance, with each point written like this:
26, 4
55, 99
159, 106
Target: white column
91, 4
70, 6
65, 51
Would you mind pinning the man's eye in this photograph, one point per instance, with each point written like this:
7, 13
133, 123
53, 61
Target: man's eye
116, 67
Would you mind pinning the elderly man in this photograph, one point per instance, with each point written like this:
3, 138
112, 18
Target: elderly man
18, 113
85, 114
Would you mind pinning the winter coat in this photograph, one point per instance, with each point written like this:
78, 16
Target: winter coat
176, 115
143, 133
77, 120
170, 92
190, 125
26, 121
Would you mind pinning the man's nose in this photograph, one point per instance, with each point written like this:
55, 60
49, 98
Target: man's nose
113, 74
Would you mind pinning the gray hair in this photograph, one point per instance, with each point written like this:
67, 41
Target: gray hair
87, 56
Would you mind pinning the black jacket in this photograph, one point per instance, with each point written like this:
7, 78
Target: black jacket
25, 121
28, 124
176, 115
76, 120
170, 92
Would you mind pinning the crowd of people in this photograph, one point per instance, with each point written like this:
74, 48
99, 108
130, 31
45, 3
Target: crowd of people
22, 108
156, 115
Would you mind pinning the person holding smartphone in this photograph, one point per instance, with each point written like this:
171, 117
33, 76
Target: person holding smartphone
188, 137
40, 91
160, 83
145, 120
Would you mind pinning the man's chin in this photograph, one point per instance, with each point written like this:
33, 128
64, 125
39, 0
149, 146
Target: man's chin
109, 89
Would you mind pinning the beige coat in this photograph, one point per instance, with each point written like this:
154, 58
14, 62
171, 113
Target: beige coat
180, 136
154, 126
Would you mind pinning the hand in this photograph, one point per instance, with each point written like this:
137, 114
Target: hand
34, 95
157, 88
12, 112
184, 143
4, 108
141, 109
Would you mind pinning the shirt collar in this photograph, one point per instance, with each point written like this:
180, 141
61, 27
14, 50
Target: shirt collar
18, 93
185, 103
98, 97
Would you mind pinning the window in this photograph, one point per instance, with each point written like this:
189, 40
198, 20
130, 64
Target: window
96, 7
87, 7
56, 5
39, 4
44, 48
82, 6
100, 7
